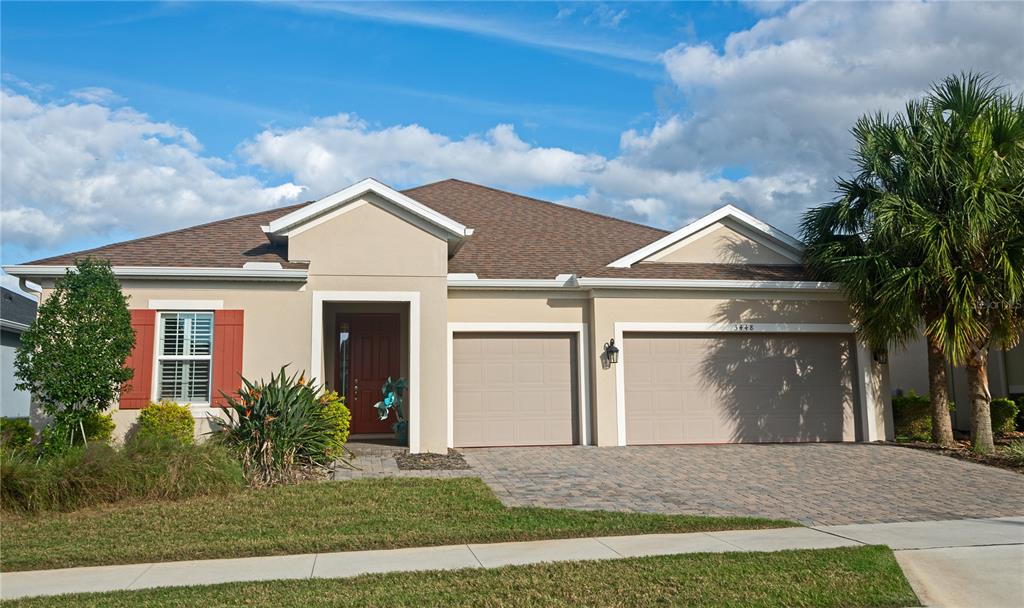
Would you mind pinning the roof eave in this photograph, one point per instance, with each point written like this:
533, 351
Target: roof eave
29, 271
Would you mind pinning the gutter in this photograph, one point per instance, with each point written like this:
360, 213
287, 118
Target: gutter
13, 325
171, 272
571, 282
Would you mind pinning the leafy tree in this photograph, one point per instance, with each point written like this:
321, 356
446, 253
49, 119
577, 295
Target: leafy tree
72, 356
930, 232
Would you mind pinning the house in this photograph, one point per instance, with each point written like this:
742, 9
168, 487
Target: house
516, 321
908, 371
16, 313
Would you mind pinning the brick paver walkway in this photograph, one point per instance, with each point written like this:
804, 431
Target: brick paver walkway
816, 484
371, 460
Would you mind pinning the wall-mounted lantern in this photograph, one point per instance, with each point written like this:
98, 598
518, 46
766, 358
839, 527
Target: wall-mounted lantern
881, 356
611, 352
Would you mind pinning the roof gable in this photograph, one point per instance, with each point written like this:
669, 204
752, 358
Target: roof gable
385, 197
751, 240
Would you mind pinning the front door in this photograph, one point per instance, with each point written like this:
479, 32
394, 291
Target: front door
369, 350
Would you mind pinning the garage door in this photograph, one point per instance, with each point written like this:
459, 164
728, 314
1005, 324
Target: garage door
722, 388
514, 389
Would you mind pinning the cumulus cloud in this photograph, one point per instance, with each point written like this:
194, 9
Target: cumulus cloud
335, 151
766, 128
777, 101
81, 170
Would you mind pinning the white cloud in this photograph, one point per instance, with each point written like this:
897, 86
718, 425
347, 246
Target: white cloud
97, 95
778, 102
75, 170
780, 98
766, 128
335, 151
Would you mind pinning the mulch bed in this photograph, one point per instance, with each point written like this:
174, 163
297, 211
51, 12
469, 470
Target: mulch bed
452, 461
964, 452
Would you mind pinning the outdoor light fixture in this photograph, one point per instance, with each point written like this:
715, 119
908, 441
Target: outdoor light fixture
611, 352
881, 356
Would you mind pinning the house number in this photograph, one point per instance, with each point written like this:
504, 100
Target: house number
743, 327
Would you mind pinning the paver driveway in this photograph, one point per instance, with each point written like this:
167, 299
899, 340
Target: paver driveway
815, 484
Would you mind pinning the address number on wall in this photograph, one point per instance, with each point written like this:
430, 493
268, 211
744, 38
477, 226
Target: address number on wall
743, 327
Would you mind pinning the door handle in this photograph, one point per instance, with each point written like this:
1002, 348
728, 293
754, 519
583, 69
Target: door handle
355, 390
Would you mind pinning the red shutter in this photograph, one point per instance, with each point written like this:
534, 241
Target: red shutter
228, 327
136, 392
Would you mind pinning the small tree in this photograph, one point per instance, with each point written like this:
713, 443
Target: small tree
72, 356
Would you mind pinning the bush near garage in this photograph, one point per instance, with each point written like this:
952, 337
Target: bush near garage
912, 417
1004, 415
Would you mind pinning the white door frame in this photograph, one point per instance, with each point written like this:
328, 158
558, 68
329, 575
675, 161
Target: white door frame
316, 358
863, 371
583, 387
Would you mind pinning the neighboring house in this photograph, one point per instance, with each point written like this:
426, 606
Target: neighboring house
16, 313
908, 370
501, 310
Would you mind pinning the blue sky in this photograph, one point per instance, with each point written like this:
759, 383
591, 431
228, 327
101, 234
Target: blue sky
123, 119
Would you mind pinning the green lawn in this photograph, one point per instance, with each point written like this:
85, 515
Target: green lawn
849, 577
315, 517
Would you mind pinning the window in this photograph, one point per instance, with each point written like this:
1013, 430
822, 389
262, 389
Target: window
185, 356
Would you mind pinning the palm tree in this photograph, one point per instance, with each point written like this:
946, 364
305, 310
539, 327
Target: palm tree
929, 233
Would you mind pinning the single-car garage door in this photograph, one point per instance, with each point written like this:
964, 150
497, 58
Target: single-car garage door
514, 389
722, 388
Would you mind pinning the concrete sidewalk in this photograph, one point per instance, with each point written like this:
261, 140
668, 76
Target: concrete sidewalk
902, 536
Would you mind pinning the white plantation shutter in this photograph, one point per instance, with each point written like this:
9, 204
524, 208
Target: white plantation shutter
184, 356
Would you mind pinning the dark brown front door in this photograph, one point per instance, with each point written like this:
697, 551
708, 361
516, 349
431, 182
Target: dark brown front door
369, 350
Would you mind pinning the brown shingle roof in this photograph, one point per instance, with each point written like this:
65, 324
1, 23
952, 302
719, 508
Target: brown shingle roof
226, 243
515, 237
518, 237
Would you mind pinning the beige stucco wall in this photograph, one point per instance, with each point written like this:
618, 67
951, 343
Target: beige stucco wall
719, 243
345, 251
516, 307
365, 240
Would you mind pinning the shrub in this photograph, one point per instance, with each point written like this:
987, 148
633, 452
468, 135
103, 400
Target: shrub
16, 432
279, 429
912, 416
65, 430
1020, 412
1004, 415
1015, 451
143, 469
339, 416
167, 420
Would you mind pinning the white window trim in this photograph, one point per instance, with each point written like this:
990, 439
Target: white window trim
582, 338
316, 358
863, 370
195, 406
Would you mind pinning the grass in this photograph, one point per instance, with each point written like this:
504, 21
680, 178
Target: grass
849, 577
315, 517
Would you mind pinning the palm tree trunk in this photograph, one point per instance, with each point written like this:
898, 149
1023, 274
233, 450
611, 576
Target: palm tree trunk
938, 391
981, 399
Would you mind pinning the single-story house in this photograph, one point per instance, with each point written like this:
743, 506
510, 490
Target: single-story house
16, 313
516, 321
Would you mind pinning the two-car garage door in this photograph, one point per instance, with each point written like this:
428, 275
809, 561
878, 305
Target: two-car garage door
521, 388
514, 389
722, 388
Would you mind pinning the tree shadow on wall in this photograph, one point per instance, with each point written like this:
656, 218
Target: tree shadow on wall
780, 387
